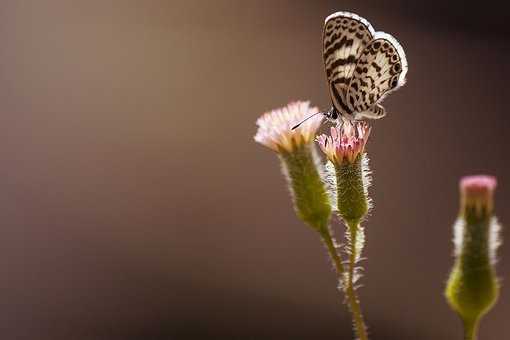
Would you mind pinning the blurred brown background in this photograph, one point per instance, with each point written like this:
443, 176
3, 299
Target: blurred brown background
135, 204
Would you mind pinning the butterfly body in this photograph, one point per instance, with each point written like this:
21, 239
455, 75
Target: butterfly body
362, 66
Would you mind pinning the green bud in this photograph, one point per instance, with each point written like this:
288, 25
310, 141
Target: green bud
311, 202
352, 198
473, 287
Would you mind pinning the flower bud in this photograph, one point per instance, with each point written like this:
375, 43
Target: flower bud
472, 287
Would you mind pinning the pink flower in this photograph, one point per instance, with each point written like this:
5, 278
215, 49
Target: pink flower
345, 143
275, 127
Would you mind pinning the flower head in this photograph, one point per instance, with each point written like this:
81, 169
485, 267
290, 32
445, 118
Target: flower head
345, 143
275, 127
477, 193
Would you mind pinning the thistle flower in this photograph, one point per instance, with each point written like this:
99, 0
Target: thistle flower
345, 150
300, 163
472, 287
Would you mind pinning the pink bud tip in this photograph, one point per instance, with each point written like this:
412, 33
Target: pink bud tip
477, 184
477, 192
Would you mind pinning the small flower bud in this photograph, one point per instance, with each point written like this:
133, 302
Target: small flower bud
300, 163
472, 287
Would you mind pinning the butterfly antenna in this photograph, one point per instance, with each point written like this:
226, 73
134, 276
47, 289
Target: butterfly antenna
304, 120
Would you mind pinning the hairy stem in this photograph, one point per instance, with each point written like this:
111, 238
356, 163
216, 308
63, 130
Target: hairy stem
352, 298
348, 288
332, 251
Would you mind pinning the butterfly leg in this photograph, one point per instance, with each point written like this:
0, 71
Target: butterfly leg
344, 120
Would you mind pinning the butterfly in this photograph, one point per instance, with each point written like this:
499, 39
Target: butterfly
362, 66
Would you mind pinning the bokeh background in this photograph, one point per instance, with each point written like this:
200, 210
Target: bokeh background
135, 204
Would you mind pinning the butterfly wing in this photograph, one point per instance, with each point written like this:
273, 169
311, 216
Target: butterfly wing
345, 36
381, 69
375, 112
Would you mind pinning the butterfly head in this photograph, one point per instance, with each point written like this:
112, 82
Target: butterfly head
332, 114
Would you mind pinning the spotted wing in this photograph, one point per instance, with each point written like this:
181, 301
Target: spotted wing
344, 38
381, 69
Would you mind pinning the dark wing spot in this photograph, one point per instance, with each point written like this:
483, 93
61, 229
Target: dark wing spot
377, 67
394, 82
377, 45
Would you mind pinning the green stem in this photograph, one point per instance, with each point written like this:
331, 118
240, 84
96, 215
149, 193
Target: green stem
470, 329
349, 290
352, 297
330, 246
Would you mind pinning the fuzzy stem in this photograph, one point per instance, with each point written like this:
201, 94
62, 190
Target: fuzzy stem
352, 298
332, 251
350, 292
